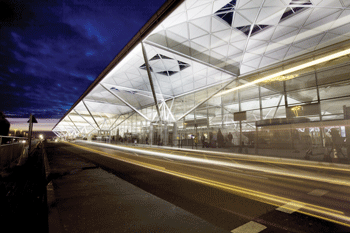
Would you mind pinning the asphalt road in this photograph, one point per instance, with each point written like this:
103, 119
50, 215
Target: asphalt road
235, 191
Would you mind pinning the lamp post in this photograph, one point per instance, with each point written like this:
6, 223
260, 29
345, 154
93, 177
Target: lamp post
30, 121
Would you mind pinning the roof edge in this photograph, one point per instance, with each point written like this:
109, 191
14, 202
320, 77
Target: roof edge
165, 10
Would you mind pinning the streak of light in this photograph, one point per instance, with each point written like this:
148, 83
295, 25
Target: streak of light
287, 71
253, 158
262, 197
307, 176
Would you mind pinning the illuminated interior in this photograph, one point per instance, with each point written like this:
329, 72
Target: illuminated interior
269, 75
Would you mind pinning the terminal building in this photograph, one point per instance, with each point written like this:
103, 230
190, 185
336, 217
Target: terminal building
263, 74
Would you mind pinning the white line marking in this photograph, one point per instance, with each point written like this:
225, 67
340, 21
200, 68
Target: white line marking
318, 192
290, 207
250, 227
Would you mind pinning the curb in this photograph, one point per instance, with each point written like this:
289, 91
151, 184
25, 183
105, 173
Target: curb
53, 217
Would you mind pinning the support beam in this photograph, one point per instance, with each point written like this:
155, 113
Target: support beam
90, 132
85, 119
73, 123
278, 105
123, 121
114, 122
59, 132
150, 79
90, 114
138, 91
56, 133
126, 103
205, 100
104, 121
169, 111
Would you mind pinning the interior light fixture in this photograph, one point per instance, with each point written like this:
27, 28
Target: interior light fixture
291, 70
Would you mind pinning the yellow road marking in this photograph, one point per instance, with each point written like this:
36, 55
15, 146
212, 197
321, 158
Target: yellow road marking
263, 197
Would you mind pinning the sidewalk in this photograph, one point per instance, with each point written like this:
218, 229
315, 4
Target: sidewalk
23, 196
85, 198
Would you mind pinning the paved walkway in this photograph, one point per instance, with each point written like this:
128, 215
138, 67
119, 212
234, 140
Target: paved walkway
84, 198
22, 195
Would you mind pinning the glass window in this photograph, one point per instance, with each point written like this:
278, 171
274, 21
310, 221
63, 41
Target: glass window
302, 96
333, 75
272, 113
249, 93
334, 109
301, 82
250, 104
233, 107
253, 116
272, 100
333, 90
230, 98
272, 88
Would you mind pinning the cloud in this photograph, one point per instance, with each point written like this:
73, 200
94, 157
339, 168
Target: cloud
51, 51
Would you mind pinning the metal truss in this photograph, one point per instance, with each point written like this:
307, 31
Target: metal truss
125, 102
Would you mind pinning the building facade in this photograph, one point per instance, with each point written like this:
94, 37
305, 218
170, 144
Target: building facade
265, 75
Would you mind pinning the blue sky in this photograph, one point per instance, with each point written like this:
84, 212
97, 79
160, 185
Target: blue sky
51, 51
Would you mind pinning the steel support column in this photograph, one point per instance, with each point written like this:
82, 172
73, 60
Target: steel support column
126, 103
74, 124
122, 121
150, 79
84, 119
90, 114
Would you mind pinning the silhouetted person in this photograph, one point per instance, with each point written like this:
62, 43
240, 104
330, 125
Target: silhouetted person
337, 141
4, 127
220, 138
203, 140
230, 137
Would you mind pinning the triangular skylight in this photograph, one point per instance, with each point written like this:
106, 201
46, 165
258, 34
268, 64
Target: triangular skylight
226, 12
228, 7
300, 2
295, 7
256, 28
176, 65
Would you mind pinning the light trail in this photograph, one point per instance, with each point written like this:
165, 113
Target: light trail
254, 158
275, 171
288, 71
272, 160
316, 211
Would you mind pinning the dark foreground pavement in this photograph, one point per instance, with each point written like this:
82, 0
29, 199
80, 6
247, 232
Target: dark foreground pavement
23, 205
85, 198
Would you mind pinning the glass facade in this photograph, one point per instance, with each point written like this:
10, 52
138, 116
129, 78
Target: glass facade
305, 111
266, 90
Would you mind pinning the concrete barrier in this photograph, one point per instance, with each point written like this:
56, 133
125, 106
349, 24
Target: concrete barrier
9, 153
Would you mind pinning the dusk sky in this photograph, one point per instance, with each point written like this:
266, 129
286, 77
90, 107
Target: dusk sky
51, 51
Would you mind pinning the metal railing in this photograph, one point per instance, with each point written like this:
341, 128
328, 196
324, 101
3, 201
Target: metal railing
12, 148
5, 140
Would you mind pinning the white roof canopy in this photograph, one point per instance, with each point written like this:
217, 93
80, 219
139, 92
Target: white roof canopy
203, 43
